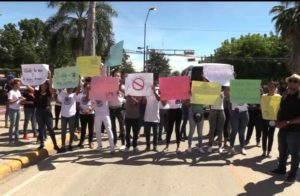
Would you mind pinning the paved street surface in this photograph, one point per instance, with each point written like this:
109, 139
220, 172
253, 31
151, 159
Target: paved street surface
90, 172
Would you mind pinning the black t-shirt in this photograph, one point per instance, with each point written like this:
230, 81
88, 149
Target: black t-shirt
28, 98
42, 101
290, 109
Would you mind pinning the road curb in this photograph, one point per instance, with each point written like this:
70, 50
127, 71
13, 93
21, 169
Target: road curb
28, 159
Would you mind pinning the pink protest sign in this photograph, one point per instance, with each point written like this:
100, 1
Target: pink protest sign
174, 87
104, 88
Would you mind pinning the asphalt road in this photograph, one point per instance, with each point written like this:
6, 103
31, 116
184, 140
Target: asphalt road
89, 172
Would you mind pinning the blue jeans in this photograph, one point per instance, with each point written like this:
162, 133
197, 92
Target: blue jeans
163, 124
193, 125
289, 143
45, 121
239, 121
29, 115
148, 126
72, 125
14, 118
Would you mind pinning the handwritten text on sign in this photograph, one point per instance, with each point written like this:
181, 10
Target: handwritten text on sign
104, 88
207, 93
139, 84
174, 87
34, 74
66, 77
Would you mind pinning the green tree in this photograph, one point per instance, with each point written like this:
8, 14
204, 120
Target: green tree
126, 66
68, 26
287, 23
175, 73
158, 64
254, 56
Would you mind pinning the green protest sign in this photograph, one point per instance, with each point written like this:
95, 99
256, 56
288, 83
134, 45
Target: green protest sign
115, 55
66, 77
245, 91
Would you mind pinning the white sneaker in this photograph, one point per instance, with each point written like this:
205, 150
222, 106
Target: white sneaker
122, 148
244, 151
232, 151
221, 150
201, 150
209, 149
136, 149
189, 150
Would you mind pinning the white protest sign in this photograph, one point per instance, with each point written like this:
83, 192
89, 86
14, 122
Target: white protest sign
34, 74
139, 84
221, 73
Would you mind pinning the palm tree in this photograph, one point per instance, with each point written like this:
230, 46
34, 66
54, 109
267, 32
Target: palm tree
68, 26
287, 23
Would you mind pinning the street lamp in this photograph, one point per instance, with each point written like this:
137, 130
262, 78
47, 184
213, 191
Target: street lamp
150, 9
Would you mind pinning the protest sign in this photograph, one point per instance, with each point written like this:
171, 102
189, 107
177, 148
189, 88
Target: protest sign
66, 77
104, 88
207, 93
139, 84
245, 91
115, 54
34, 74
270, 106
89, 65
221, 73
174, 87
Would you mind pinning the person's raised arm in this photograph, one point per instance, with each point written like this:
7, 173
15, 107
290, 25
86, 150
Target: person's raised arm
156, 95
51, 90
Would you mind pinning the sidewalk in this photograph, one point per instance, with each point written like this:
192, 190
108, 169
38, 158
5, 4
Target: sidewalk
17, 156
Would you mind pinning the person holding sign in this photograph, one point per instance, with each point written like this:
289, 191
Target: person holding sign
86, 110
288, 122
42, 102
132, 120
151, 119
14, 99
68, 111
268, 125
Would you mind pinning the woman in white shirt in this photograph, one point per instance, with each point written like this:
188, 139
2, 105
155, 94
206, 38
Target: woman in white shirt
87, 115
14, 99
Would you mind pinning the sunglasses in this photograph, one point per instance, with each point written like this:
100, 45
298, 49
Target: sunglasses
293, 81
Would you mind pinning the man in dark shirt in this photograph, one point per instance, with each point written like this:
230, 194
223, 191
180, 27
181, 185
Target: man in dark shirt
288, 122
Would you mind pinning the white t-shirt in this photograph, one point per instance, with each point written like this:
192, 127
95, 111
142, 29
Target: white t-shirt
83, 104
241, 107
102, 108
120, 100
219, 106
68, 103
174, 104
152, 109
14, 95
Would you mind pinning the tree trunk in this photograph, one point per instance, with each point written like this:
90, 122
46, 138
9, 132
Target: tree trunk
89, 42
294, 61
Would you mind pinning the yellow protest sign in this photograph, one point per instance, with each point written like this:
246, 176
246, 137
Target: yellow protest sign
89, 65
207, 93
270, 106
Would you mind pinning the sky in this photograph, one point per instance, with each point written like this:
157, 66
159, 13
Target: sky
199, 26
